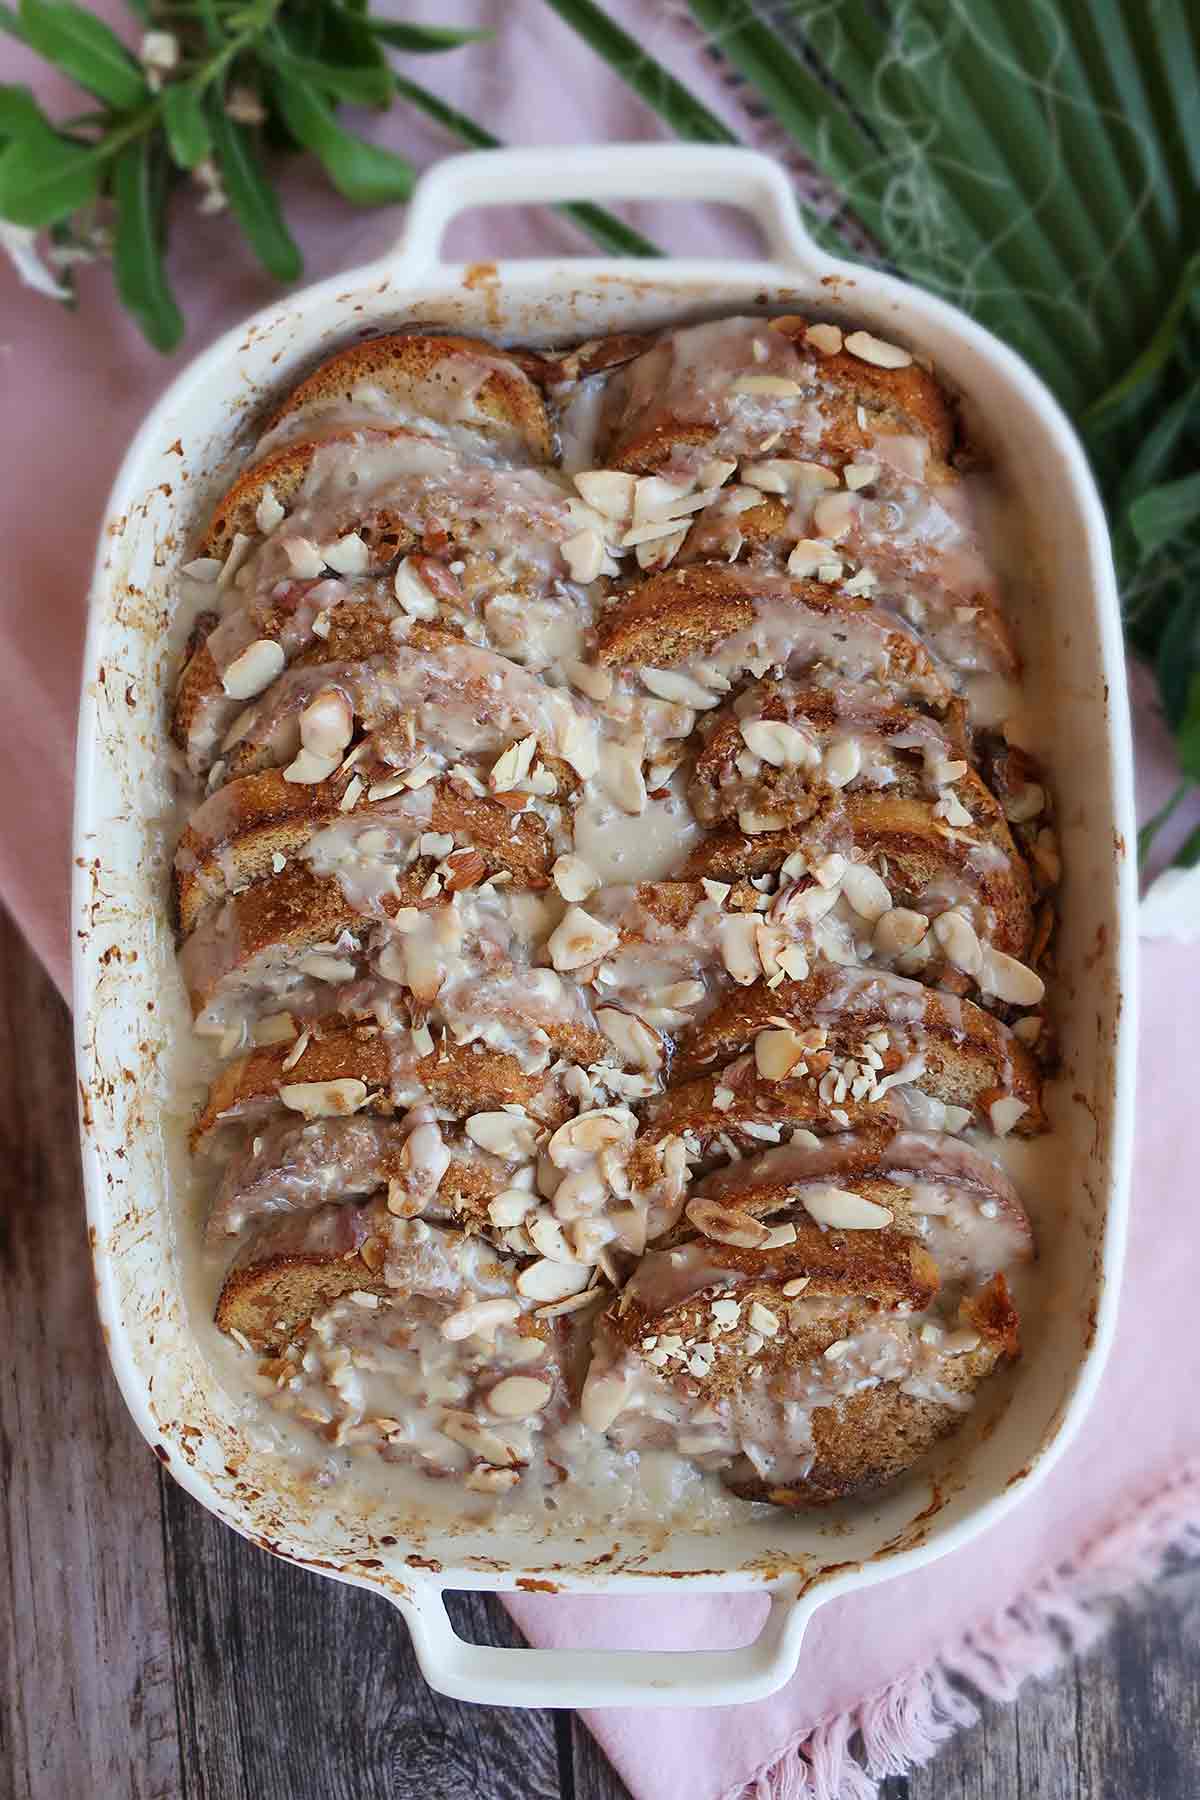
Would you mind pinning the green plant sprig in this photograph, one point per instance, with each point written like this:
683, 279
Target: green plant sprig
218, 86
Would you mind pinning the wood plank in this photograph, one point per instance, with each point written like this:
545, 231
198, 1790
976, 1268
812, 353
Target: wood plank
87, 1704
292, 1687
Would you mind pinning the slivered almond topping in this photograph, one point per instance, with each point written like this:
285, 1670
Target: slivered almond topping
268, 514
621, 776
718, 891
780, 744
899, 930
546, 1236
727, 1225
825, 338
518, 1397
306, 560
958, 941
776, 1053
610, 491
574, 878
512, 765
579, 939
254, 670
583, 554
327, 724
634, 1040
807, 557
603, 1398
585, 1136
1005, 1113
843, 1210
860, 474
655, 498
509, 1207
510, 1135
754, 821
669, 684
791, 1289
308, 768
777, 385
762, 1319
415, 597
590, 678
552, 1280
462, 1428
875, 350
739, 947
834, 516
1009, 980
491, 1481
275, 1028
867, 893
349, 555
324, 1099
464, 869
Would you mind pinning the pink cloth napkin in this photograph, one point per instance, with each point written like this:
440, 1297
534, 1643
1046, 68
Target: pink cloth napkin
74, 389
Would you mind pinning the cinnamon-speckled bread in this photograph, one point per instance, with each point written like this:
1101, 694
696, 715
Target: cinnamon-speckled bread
619, 902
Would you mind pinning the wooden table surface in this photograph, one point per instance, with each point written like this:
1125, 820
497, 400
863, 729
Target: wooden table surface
146, 1652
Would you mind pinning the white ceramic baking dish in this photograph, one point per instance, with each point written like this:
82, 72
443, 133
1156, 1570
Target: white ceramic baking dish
133, 1051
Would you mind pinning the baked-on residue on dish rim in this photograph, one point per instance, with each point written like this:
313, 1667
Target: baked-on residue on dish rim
120, 903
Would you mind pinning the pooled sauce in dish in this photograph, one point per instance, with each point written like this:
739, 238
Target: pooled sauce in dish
613, 904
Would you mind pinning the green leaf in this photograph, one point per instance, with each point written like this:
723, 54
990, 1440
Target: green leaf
20, 113
11, 23
365, 174
188, 136
1175, 655
688, 117
424, 37
1188, 853
360, 86
141, 8
1164, 512
44, 178
1158, 351
1152, 457
251, 196
1188, 736
77, 41
137, 249
604, 227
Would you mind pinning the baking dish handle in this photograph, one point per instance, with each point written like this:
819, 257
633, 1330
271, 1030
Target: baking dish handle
494, 1676
713, 172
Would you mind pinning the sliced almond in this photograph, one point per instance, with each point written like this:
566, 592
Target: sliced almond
860, 474
825, 338
512, 765
512, 1136
578, 939
574, 878
610, 491
603, 1398
655, 498
898, 930
416, 600
876, 350
621, 775
553, 1281
807, 557
634, 1040
349, 555
727, 1225
670, 684
834, 515
509, 1207
307, 562
1005, 1113
843, 1210
583, 554
518, 1396
481, 1318
1009, 979
308, 768
780, 744
268, 514
327, 724
776, 1053
957, 939
739, 947
590, 678
866, 891
588, 1134
254, 670
324, 1099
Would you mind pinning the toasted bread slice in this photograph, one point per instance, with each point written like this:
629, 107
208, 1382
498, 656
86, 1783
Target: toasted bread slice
730, 619
463, 1079
235, 837
453, 381
747, 387
916, 853
296, 1267
970, 1059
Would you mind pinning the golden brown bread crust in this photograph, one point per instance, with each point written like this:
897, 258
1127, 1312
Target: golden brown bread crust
464, 1078
971, 1059
906, 400
507, 403
682, 615
919, 851
239, 831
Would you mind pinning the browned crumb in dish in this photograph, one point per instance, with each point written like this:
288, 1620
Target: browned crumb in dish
619, 913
